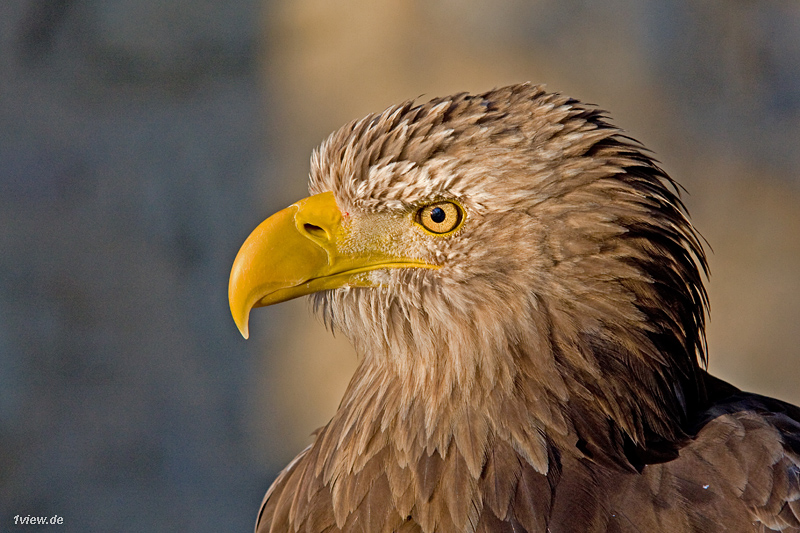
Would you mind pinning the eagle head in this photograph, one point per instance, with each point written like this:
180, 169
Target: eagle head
511, 253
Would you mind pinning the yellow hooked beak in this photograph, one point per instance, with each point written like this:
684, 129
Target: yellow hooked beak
303, 249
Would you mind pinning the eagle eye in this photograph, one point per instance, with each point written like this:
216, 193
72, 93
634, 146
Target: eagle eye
440, 218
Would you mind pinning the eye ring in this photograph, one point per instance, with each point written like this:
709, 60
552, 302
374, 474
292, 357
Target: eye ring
440, 218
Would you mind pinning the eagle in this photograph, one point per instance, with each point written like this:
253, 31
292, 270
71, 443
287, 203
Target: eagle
525, 292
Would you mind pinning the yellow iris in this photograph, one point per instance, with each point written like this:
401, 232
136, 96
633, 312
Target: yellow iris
440, 218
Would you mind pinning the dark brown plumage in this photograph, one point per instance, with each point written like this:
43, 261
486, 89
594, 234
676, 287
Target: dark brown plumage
536, 367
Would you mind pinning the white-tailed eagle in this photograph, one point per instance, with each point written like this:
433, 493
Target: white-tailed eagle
525, 292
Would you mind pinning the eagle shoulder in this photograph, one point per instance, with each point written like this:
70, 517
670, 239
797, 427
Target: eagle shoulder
740, 472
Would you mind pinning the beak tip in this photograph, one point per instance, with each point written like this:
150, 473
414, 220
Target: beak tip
238, 300
244, 330
240, 313
242, 324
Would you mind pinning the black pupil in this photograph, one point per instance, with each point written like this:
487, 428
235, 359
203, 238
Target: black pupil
438, 215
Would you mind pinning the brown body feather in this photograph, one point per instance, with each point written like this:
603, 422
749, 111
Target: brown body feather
548, 376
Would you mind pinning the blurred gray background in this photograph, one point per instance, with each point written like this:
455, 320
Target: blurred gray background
142, 140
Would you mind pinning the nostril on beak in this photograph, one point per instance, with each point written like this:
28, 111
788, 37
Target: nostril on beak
315, 231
